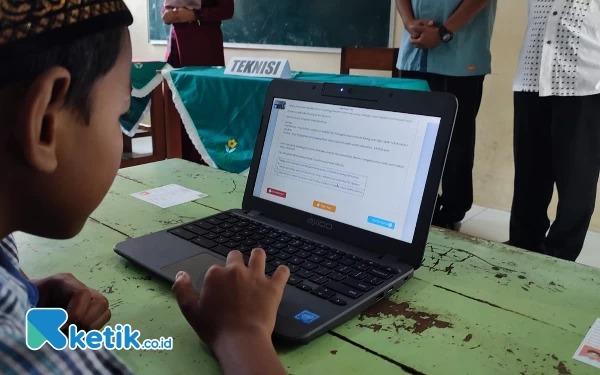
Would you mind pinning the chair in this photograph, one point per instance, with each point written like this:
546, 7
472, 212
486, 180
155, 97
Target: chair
156, 131
384, 59
142, 131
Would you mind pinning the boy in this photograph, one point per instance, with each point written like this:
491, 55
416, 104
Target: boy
557, 127
447, 44
64, 82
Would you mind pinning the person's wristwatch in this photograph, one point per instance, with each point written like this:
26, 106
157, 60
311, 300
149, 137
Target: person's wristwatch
446, 35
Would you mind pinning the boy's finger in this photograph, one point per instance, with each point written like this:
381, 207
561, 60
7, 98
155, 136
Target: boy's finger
234, 258
186, 296
78, 305
96, 309
101, 321
281, 277
258, 260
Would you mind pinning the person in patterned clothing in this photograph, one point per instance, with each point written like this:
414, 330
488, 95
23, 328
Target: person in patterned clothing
557, 127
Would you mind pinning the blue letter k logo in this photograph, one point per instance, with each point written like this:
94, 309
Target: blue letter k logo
43, 326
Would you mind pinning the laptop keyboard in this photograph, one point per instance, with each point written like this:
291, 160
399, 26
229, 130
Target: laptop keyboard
339, 276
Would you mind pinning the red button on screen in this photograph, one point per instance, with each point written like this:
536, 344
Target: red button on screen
277, 193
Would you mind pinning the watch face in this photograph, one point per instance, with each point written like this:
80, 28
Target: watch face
447, 37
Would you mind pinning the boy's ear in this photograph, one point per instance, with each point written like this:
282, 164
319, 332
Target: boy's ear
39, 118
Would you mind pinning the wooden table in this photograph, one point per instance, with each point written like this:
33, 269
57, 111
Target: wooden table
475, 307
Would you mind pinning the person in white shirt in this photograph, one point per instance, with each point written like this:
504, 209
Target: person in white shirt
557, 126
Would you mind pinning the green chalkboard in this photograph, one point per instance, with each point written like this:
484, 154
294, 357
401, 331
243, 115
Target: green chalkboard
301, 23
158, 31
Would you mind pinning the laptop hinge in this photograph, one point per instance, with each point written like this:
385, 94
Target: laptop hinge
254, 213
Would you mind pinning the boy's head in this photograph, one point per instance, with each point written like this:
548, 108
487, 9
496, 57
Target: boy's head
592, 354
64, 82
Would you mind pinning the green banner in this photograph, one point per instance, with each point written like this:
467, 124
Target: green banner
222, 113
144, 79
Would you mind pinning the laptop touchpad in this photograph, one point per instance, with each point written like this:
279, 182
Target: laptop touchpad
195, 266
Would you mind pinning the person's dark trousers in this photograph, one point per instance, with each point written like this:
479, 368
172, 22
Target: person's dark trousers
457, 183
556, 141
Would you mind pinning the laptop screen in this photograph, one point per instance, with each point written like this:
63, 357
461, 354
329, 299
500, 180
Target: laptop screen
362, 167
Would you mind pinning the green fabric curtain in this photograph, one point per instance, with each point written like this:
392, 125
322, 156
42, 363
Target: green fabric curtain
222, 113
143, 81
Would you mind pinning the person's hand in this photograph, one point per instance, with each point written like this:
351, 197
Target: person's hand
169, 17
429, 38
236, 302
415, 28
179, 15
86, 307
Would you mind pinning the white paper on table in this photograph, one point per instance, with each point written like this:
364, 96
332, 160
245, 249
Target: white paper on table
169, 195
589, 350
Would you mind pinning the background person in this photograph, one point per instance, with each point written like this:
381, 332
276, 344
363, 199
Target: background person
557, 127
196, 39
447, 44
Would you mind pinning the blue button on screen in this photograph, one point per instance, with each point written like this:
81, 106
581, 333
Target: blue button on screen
381, 222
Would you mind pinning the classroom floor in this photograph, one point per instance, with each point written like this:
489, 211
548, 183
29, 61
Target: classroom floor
480, 222
493, 225
141, 146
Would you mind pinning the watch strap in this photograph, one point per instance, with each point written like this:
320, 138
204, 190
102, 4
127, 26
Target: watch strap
445, 34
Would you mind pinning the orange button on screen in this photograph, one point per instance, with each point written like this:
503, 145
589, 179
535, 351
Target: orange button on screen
324, 206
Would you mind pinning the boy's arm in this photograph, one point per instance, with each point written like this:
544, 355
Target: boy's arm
468, 10
248, 355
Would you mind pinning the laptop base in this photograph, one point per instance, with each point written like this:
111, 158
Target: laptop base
330, 284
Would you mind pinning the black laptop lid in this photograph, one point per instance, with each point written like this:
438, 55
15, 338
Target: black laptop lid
358, 164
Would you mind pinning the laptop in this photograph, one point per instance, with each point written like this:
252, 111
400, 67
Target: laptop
342, 190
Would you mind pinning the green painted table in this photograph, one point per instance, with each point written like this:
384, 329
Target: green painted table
475, 307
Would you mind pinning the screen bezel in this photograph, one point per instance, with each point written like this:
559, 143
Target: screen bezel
441, 105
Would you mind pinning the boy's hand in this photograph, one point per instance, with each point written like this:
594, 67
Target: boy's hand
87, 308
236, 302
